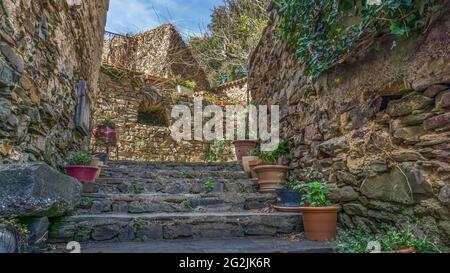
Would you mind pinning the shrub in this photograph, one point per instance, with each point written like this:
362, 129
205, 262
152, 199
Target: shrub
389, 238
108, 122
82, 158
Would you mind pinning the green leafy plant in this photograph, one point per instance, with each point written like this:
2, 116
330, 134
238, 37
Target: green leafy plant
82, 158
316, 190
292, 184
107, 122
390, 238
189, 84
272, 157
216, 151
254, 152
209, 185
187, 204
325, 33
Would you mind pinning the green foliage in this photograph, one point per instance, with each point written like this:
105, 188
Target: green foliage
323, 33
316, 190
390, 238
82, 158
209, 185
235, 29
107, 122
254, 152
189, 84
272, 157
217, 150
187, 204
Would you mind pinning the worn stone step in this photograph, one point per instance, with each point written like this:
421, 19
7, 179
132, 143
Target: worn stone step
238, 245
153, 203
159, 226
173, 186
205, 166
173, 174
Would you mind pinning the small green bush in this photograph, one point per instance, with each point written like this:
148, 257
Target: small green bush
108, 122
272, 157
390, 238
316, 190
209, 185
82, 158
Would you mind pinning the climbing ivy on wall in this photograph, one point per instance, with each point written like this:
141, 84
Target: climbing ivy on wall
324, 33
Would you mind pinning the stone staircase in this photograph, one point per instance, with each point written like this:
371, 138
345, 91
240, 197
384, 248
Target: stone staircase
143, 202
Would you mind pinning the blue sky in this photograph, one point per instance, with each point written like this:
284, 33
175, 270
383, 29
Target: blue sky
131, 16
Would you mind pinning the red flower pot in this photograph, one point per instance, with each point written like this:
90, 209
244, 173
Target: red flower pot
242, 147
106, 134
84, 174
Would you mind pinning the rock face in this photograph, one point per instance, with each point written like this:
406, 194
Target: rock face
40, 65
35, 190
377, 127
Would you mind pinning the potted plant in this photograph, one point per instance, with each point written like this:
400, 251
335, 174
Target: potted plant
319, 217
252, 155
243, 147
289, 196
271, 173
80, 167
106, 132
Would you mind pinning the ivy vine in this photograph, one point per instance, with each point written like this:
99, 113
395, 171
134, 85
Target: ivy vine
324, 33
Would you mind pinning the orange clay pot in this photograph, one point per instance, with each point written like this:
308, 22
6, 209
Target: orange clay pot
320, 223
270, 177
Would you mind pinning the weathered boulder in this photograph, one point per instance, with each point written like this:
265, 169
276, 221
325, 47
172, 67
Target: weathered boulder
355, 209
35, 190
390, 186
437, 122
443, 99
397, 185
334, 146
408, 105
344, 194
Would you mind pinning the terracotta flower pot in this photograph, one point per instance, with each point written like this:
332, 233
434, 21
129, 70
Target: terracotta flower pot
107, 135
252, 164
84, 174
96, 163
320, 223
270, 177
242, 147
406, 250
245, 162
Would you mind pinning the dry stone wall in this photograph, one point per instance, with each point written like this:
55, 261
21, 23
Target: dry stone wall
158, 52
377, 127
144, 140
45, 48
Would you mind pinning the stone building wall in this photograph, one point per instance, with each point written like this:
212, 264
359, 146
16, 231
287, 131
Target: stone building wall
236, 90
144, 140
377, 127
45, 48
158, 52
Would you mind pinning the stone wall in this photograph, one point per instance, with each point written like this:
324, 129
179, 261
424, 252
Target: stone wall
146, 136
45, 48
377, 127
158, 52
236, 90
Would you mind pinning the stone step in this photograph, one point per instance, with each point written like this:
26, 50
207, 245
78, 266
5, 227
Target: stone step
173, 186
173, 174
159, 226
229, 245
154, 203
199, 166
